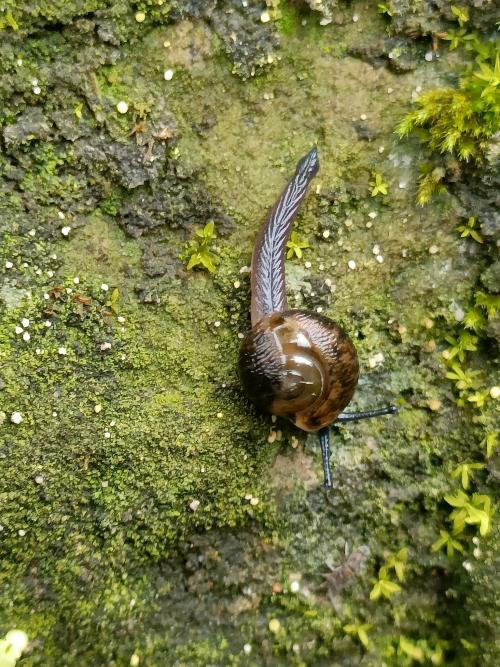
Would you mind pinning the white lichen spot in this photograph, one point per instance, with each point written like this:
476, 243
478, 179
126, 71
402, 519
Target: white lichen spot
363, 116
326, 233
376, 360
433, 249
140, 17
254, 501
236, 284
76, 280
50, 273
467, 566
37, 90
217, 324
32, 232
122, 107
47, 323
351, 264
307, 265
429, 56
39, 479
372, 214
390, 91
376, 249
168, 74
25, 322
97, 408
105, 346
66, 230
120, 319
380, 259
495, 392
355, 18
434, 404
247, 649
265, 17
18, 330
21, 532
26, 336
38, 351
107, 434
193, 505
61, 215
61, 351
274, 626
8, 264
104, 287
134, 660
16, 418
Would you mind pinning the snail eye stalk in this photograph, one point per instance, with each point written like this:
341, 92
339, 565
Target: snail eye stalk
324, 441
324, 437
356, 416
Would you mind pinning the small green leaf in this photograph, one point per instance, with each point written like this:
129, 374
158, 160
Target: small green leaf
378, 185
490, 441
458, 500
295, 246
461, 13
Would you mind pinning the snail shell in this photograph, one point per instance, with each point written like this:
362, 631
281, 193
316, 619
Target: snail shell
301, 366
293, 363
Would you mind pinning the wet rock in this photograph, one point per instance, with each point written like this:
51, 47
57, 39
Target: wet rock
147, 294
130, 163
365, 132
248, 41
192, 8
173, 203
401, 55
31, 125
427, 18
326, 7
70, 130
479, 191
158, 260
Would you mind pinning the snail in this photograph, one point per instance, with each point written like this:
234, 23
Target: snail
294, 363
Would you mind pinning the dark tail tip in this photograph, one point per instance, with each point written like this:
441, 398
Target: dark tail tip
309, 164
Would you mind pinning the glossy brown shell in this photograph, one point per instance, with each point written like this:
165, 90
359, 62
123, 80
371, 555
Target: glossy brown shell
299, 365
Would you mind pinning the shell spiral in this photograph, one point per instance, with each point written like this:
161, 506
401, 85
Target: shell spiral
299, 365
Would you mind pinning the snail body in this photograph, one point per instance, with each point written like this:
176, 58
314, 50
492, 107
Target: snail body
293, 363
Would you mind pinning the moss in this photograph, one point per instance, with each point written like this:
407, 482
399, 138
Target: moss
116, 559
